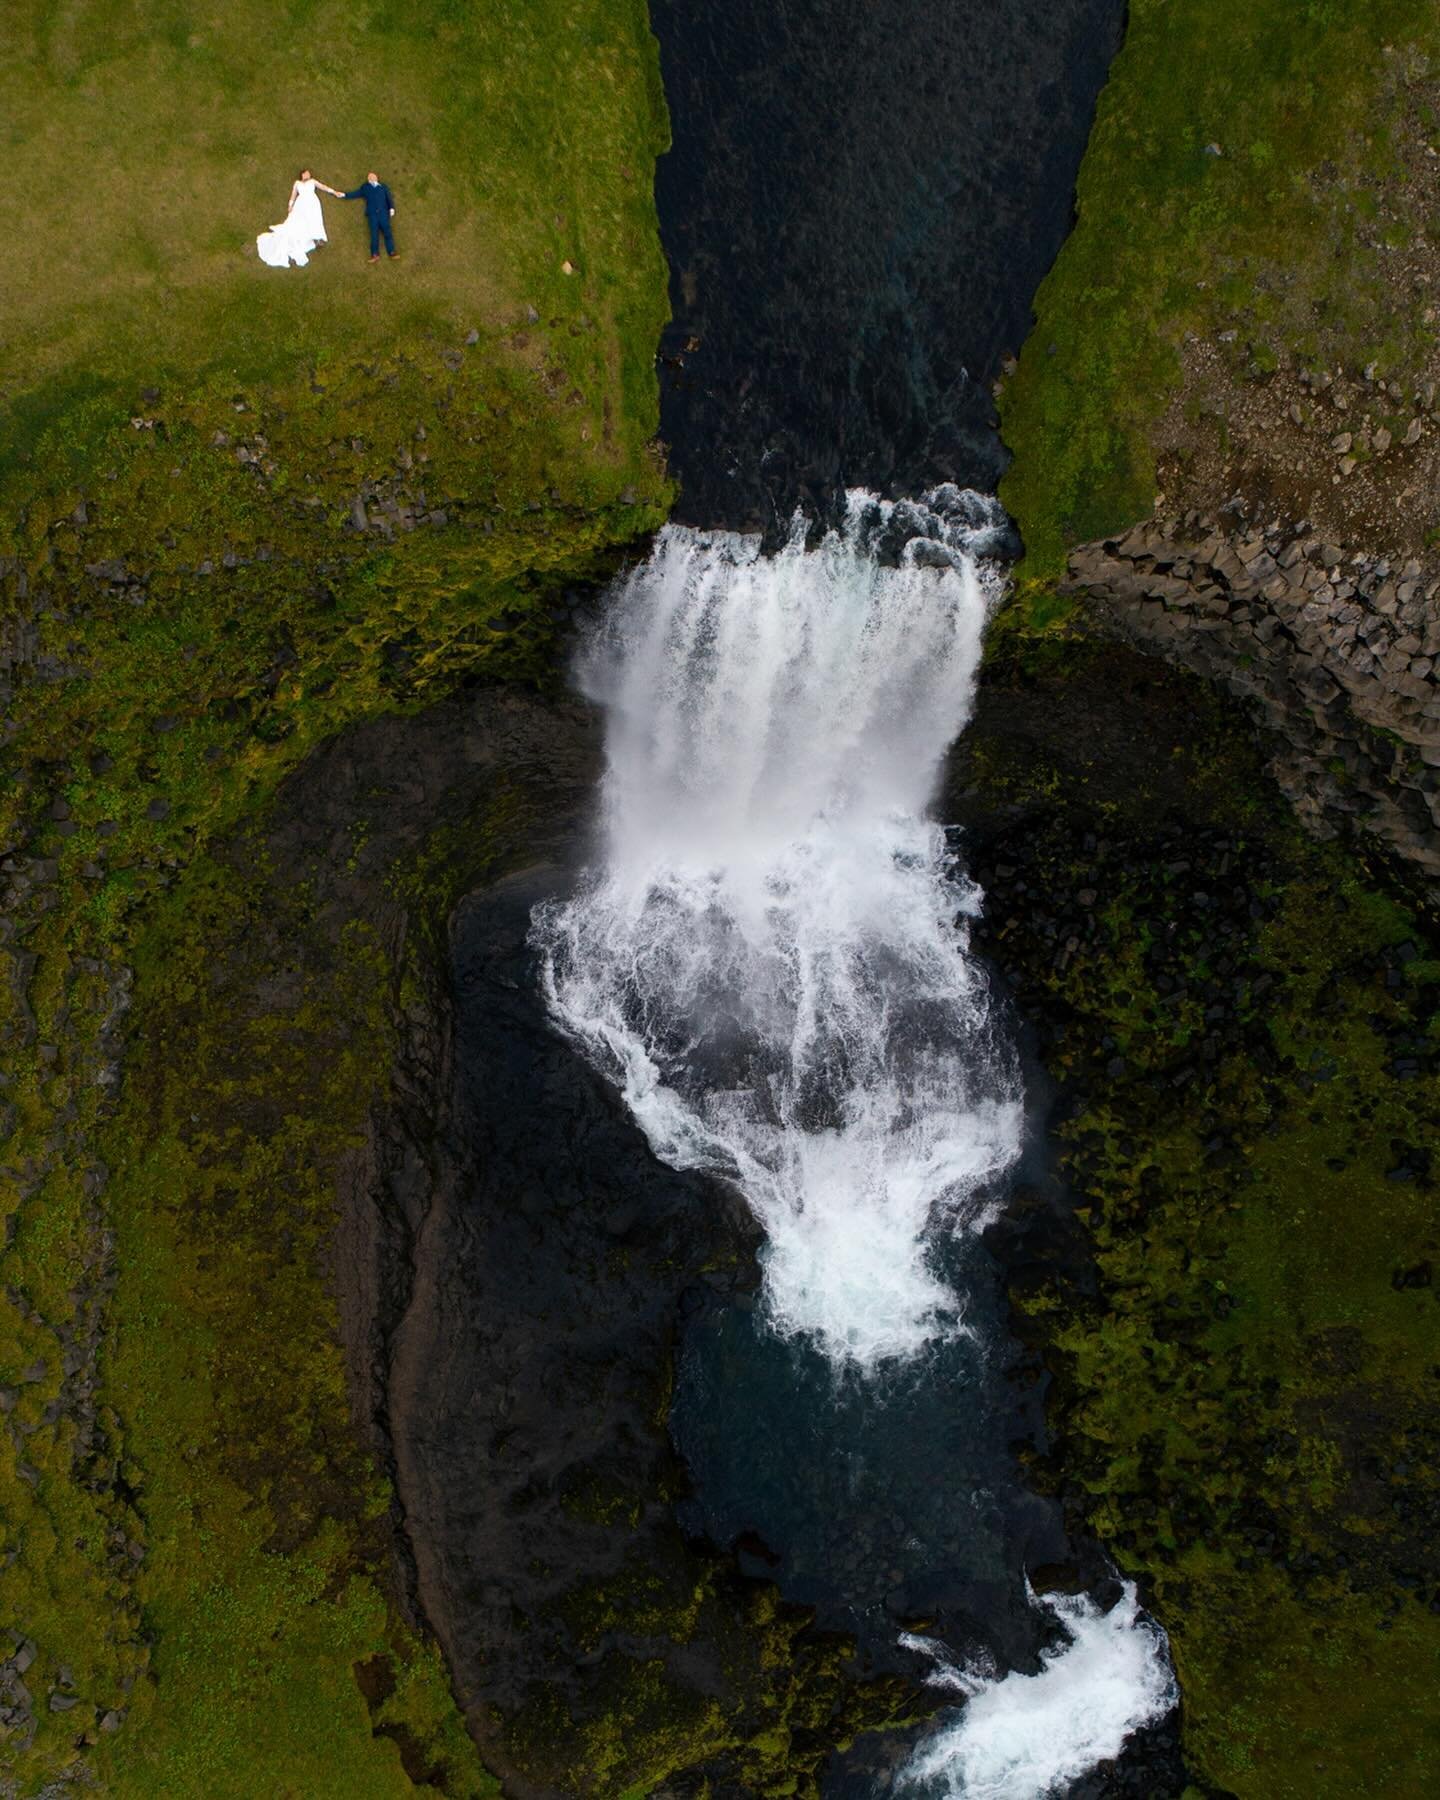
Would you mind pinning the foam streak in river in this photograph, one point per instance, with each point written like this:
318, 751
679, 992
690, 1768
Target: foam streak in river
771, 958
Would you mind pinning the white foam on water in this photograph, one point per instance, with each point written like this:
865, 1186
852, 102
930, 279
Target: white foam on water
771, 958
1026, 1737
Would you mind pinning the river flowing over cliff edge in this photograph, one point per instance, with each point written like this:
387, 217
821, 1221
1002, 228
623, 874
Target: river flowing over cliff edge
770, 960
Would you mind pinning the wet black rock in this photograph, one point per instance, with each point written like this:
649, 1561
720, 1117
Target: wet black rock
529, 1430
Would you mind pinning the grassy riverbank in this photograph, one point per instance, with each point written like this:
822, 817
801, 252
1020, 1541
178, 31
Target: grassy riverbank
1229, 185
1244, 1021
243, 508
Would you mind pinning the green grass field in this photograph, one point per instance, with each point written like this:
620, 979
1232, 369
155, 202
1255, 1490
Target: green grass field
210, 1569
148, 143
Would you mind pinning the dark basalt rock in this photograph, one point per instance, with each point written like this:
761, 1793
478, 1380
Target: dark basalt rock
512, 1266
1334, 652
528, 1381
861, 200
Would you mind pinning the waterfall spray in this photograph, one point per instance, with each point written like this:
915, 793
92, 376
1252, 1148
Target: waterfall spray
772, 959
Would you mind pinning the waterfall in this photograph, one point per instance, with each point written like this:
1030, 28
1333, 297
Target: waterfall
771, 955
771, 958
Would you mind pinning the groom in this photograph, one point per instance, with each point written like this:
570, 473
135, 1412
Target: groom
379, 210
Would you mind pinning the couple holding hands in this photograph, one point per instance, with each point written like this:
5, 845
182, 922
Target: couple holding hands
303, 226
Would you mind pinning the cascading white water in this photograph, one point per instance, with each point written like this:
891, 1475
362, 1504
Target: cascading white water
771, 958
1022, 1737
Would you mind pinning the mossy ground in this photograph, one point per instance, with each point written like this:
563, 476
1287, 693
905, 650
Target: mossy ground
259, 1046
1244, 1025
270, 1655
774, 1697
1268, 239
784, 1695
243, 508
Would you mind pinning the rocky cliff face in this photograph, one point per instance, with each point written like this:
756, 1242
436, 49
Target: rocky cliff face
1334, 650
1225, 421
1241, 1025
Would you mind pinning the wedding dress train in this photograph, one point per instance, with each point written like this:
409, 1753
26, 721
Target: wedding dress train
297, 235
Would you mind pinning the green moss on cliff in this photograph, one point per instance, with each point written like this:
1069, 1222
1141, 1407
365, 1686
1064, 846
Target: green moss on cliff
268, 1648
224, 1365
738, 1687
1225, 185
262, 1043
1245, 1026
1229, 1443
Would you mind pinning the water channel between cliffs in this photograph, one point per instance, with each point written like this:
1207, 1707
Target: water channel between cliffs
769, 959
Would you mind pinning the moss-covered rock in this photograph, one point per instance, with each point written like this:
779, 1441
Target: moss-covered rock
786, 1697
1243, 1026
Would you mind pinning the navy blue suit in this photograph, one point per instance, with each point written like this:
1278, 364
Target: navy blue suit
379, 204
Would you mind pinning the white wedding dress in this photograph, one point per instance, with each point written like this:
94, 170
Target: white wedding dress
294, 239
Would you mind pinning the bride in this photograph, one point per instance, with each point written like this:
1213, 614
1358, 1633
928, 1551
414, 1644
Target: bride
302, 228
